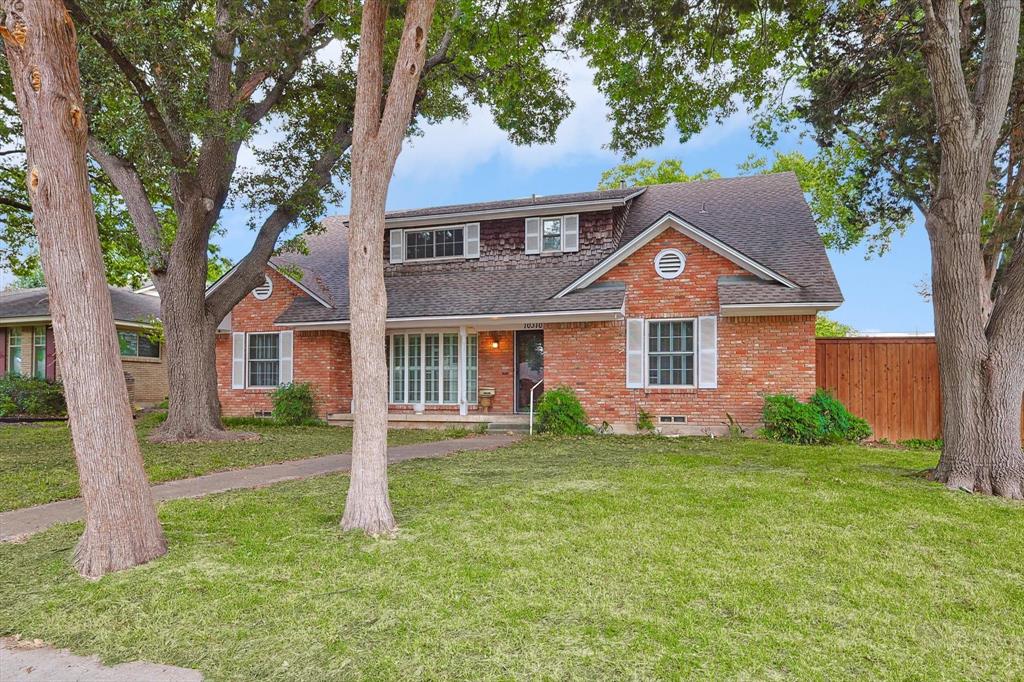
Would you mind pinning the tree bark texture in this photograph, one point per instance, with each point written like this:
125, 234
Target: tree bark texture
376, 143
980, 335
121, 525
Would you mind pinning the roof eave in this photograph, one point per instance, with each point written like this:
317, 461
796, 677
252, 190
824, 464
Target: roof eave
764, 309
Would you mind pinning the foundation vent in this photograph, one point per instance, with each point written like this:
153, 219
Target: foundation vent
672, 419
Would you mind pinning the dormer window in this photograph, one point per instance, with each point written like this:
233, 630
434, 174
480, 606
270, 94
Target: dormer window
445, 242
553, 234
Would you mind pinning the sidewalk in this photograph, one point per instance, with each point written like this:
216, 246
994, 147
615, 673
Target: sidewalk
21, 523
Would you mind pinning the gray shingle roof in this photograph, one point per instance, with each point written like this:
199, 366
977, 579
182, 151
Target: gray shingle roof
542, 200
128, 305
764, 217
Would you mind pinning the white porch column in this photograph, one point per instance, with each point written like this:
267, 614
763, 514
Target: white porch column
463, 406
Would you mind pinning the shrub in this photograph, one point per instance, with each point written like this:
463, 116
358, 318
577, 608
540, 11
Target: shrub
788, 420
294, 405
28, 397
822, 420
838, 425
560, 412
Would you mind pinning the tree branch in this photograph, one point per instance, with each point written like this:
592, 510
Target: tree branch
995, 79
440, 55
14, 203
173, 141
128, 183
941, 48
11, 152
248, 272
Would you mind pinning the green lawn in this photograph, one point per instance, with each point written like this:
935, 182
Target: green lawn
600, 558
37, 464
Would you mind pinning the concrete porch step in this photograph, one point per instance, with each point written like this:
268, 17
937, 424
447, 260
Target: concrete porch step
509, 427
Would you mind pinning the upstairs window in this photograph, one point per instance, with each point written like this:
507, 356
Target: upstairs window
445, 242
551, 233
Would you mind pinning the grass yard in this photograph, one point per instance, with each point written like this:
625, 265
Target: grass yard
599, 558
38, 466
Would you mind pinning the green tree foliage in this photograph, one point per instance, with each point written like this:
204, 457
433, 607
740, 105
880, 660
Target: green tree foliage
825, 326
646, 172
850, 74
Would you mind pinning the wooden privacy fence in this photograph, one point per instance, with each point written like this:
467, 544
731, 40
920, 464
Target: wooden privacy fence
893, 383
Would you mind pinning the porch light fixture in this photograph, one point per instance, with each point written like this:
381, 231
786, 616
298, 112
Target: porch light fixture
494, 342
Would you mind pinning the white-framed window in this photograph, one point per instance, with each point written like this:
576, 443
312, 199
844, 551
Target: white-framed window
424, 368
39, 352
435, 242
551, 234
263, 359
671, 353
14, 352
135, 345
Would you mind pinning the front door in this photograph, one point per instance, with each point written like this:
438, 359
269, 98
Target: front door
529, 367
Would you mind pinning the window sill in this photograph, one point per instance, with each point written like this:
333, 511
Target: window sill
443, 259
135, 358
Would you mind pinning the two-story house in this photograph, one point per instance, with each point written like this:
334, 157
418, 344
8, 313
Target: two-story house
687, 301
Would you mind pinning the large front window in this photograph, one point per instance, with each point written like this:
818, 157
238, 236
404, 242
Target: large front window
445, 242
424, 368
135, 345
670, 353
264, 360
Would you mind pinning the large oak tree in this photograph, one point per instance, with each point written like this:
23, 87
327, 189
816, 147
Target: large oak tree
921, 103
121, 526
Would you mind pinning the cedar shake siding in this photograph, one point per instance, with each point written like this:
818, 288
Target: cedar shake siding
750, 275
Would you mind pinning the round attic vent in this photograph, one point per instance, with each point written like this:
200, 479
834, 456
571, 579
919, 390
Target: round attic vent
263, 291
669, 263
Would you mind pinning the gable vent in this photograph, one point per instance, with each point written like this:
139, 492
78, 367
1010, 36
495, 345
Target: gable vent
263, 291
669, 263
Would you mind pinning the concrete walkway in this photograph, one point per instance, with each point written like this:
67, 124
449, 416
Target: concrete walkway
21, 523
30, 661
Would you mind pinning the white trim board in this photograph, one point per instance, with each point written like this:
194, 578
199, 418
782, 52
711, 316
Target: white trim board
762, 309
701, 237
213, 287
476, 321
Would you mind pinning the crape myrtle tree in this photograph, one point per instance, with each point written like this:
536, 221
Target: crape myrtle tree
922, 101
121, 525
385, 101
175, 90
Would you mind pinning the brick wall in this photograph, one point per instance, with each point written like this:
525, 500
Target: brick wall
756, 355
320, 358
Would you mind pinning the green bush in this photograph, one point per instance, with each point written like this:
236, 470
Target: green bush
822, 420
294, 405
27, 397
560, 413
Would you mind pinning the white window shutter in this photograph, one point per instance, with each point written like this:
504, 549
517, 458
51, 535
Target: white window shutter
286, 358
635, 352
397, 251
471, 240
533, 235
707, 364
238, 360
570, 233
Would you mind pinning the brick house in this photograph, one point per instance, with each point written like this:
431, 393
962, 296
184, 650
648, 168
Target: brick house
27, 346
686, 301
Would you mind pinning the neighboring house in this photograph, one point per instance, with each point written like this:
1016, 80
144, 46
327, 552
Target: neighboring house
687, 301
27, 347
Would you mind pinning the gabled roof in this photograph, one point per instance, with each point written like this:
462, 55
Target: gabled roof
760, 221
34, 304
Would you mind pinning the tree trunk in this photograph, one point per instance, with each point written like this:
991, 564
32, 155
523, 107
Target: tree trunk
376, 141
981, 374
121, 525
